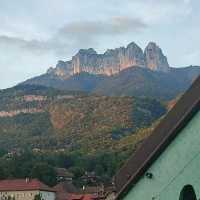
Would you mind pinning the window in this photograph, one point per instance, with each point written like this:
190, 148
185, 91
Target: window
188, 193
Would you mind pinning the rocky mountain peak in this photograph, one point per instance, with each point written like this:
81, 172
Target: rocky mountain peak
132, 45
113, 60
155, 59
135, 53
89, 51
112, 52
61, 64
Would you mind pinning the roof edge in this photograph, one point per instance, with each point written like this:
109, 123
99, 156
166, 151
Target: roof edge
175, 130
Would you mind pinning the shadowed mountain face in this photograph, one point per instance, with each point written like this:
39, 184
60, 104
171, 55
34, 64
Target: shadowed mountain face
124, 71
134, 81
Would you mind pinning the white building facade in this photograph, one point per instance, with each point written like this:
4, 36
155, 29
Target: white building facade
25, 190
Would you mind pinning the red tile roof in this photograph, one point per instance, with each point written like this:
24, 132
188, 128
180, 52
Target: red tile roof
23, 185
90, 197
83, 197
63, 190
65, 187
76, 197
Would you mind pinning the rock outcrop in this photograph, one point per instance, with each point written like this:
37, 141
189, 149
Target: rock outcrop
14, 113
63, 69
154, 58
112, 61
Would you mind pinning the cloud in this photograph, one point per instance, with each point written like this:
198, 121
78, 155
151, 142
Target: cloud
21, 59
34, 46
115, 25
24, 57
75, 34
54, 45
88, 31
192, 58
157, 12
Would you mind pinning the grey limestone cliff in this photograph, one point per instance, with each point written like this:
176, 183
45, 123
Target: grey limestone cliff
112, 61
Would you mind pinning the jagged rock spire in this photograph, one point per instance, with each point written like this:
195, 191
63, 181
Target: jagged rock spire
155, 59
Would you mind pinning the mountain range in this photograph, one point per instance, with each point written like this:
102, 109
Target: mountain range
124, 71
112, 61
71, 110
94, 96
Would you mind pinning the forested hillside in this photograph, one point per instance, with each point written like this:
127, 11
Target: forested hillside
43, 128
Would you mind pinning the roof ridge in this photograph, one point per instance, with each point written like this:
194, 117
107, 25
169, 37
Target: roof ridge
23, 184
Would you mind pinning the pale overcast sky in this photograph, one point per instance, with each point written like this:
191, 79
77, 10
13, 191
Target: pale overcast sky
34, 34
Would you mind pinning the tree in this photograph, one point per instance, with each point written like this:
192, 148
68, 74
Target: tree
11, 198
44, 173
2, 152
38, 197
2, 172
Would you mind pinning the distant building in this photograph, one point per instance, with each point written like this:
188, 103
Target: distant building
25, 189
63, 175
97, 191
90, 178
67, 191
166, 166
64, 190
83, 197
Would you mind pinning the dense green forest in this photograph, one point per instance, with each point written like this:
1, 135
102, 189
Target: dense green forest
42, 165
43, 128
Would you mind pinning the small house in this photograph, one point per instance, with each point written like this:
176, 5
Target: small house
25, 189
